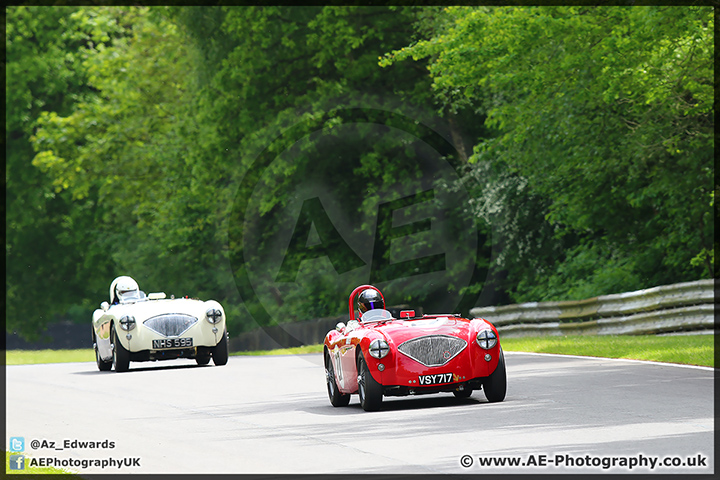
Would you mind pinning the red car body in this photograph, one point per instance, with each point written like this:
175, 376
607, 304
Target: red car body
378, 355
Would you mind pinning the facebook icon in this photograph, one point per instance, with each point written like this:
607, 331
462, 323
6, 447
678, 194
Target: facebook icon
17, 444
17, 462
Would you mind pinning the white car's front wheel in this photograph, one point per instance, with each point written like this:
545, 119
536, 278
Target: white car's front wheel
121, 357
220, 351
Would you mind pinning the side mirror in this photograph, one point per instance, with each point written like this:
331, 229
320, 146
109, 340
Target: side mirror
340, 327
105, 306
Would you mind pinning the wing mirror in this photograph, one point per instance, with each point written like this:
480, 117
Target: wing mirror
105, 306
340, 327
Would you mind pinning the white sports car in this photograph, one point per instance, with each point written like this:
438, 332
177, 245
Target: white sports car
138, 327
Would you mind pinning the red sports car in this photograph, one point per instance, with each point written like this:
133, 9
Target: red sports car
378, 354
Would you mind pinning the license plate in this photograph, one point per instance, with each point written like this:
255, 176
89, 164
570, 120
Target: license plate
435, 379
173, 343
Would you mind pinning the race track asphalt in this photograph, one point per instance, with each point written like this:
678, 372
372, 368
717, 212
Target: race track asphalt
271, 415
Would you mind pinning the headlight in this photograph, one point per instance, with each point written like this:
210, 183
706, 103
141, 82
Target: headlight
379, 348
213, 315
127, 323
486, 339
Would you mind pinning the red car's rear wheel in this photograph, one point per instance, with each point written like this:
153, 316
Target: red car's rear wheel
337, 399
463, 393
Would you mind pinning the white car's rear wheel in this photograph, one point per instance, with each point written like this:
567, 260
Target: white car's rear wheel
102, 366
203, 357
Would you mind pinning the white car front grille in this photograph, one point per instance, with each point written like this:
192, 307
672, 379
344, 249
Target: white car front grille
170, 325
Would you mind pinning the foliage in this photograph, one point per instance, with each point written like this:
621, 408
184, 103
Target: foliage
604, 113
275, 157
301, 120
50, 264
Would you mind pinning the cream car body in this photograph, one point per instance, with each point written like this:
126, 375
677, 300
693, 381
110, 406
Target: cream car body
157, 328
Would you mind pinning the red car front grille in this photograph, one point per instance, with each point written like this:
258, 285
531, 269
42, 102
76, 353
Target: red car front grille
433, 350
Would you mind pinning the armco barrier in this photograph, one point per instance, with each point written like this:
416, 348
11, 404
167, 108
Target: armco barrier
56, 336
296, 334
283, 336
683, 307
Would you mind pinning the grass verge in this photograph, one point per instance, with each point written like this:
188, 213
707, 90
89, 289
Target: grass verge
285, 351
684, 349
29, 357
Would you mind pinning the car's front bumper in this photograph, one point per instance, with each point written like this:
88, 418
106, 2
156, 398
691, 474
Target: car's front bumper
401, 375
140, 338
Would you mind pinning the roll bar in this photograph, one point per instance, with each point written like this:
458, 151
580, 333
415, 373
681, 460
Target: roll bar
356, 292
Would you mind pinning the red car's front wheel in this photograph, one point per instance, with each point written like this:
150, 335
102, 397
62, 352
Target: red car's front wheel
369, 389
495, 385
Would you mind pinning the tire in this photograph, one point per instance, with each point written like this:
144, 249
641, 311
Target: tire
369, 389
495, 385
337, 399
102, 366
203, 358
220, 351
463, 393
121, 357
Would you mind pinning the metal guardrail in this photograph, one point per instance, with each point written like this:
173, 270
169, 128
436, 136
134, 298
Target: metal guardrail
687, 307
682, 307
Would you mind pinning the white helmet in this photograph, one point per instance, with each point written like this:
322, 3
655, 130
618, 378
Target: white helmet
124, 290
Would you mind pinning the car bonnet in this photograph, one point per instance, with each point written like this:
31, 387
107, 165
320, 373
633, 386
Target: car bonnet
402, 330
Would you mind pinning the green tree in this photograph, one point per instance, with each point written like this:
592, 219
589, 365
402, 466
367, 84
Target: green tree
312, 69
604, 112
184, 100
130, 147
50, 265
